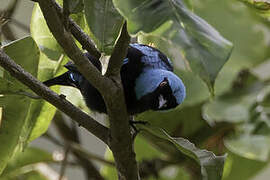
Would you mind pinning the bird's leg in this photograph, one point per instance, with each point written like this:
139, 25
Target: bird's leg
132, 123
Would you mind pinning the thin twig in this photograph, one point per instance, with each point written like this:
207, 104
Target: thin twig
62, 104
53, 139
70, 135
68, 44
64, 163
116, 59
76, 147
79, 34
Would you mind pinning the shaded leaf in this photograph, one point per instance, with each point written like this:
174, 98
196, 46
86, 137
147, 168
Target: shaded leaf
104, 22
204, 50
237, 167
75, 6
234, 106
211, 165
254, 147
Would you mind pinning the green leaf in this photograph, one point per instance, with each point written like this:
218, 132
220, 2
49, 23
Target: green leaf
29, 156
211, 165
51, 62
35, 175
262, 6
26, 164
75, 6
234, 106
255, 147
15, 124
104, 23
42, 35
203, 49
110, 173
231, 109
237, 166
41, 111
249, 29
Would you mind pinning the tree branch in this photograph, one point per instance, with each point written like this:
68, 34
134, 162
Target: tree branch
66, 41
110, 87
119, 53
79, 34
121, 142
61, 103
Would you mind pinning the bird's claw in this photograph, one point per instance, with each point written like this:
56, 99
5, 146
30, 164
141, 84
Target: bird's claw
135, 130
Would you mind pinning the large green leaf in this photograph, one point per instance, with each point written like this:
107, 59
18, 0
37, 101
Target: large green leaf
248, 30
30, 155
211, 165
236, 105
23, 163
232, 109
42, 35
104, 23
203, 49
237, 166
15, 123
255, 147
41, 111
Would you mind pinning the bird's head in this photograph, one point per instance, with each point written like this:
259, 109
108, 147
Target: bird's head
165, 89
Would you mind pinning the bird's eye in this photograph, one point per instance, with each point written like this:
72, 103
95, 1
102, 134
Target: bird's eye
162, 84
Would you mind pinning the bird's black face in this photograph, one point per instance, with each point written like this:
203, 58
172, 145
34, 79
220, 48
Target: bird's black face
163, 97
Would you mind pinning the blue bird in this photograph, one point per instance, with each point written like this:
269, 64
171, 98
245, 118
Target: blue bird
147, 76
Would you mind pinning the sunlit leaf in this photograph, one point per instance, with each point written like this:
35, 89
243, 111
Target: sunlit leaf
262, 6
42, 35
15, 126
29, 156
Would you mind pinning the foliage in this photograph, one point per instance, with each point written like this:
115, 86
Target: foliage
234, 122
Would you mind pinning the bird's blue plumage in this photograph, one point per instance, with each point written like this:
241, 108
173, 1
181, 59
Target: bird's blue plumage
147, 76
153, 77
153, 57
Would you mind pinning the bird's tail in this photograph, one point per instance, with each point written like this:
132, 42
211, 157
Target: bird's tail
69, 78
72, 77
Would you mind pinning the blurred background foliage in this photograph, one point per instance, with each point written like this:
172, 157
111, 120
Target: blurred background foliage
230, 116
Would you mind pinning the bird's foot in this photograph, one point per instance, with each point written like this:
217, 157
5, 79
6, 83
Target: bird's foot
135, 130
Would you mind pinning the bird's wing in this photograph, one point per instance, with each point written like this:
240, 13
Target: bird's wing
152, 57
